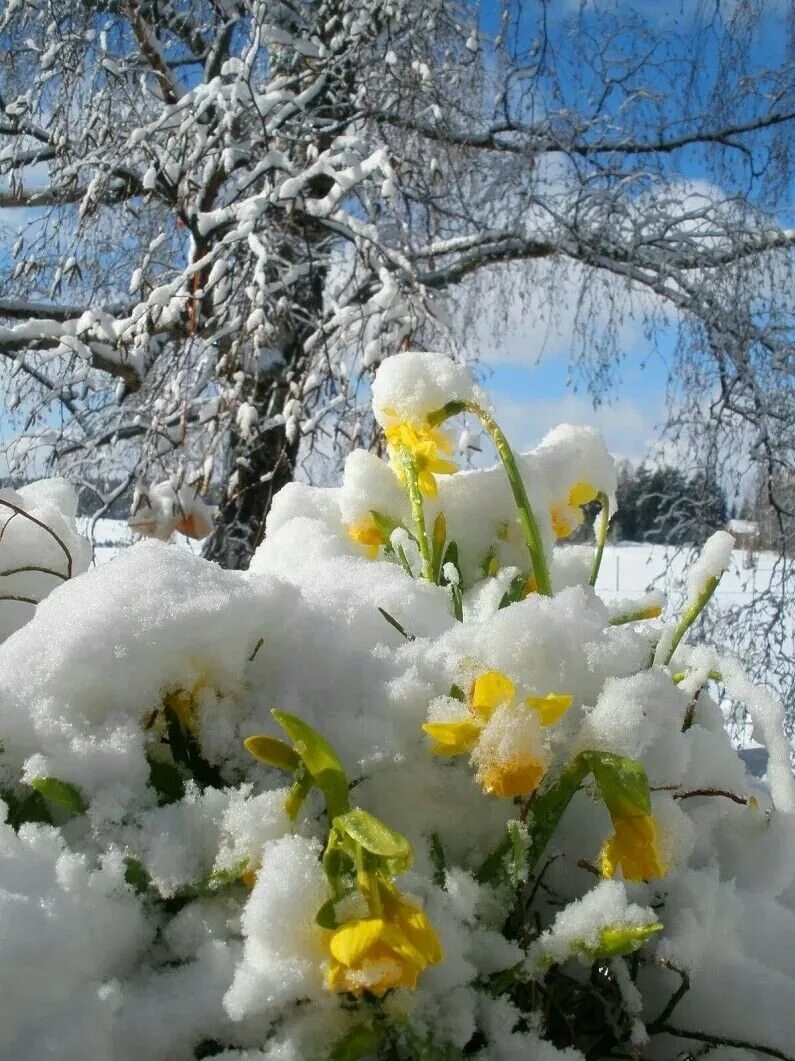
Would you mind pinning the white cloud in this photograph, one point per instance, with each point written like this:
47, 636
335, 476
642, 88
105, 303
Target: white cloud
629, 430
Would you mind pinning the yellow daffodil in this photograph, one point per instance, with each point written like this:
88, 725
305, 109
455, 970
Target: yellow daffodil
502, 769
366, 532
375, 954
567, 515
516, 776
634, 847
424, 444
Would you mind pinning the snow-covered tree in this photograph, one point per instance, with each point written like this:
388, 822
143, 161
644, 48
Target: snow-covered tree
231, 210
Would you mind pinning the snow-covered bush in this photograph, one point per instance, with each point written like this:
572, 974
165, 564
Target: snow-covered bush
405, 789
40, 547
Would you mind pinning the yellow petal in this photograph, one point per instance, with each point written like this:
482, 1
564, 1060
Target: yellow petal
421, 933
551, 707
516, 777
531, 586
488, 691
453, 738
427, 484
582, 494
633, 847
564, 520
443, 467
351, 942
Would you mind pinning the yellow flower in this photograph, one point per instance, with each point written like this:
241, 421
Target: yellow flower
567, 515
453, 738
366, 532
516, 776
654, 611
424, 444
489, 691
550, 708
376, 954
634, 847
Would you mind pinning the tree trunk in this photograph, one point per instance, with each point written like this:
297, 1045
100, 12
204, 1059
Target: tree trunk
259, 468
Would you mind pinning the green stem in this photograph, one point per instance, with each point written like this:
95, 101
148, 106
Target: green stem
680, 676
417, 511
691, 614
532, 534
601, 535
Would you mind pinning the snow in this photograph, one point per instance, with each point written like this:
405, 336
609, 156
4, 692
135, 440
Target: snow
179, 880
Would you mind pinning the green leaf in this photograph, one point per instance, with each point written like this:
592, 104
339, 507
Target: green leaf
619, 940
221, 879
450, 557
489, 563
371, 834
438, 861
29, 808
457, 693
515, 591
320, 759
272, 752
622, 783
359, 1042
61, 792
166, 780
387, 525
135, 875
299, 790
438, 539
326, 916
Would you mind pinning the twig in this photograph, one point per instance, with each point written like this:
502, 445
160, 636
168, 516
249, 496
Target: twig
742, 800
720, 1040
39, 523
22, 600
393, 622
32, 567
674, 1000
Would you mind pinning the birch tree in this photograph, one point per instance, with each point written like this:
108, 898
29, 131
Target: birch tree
226, 213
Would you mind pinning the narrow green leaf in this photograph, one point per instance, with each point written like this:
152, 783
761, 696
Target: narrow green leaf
397, 625
320, 759
61, 792
438, 861
438, 539
457, 693
272, 752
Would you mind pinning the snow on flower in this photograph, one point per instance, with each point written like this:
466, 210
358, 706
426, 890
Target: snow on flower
386, 793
